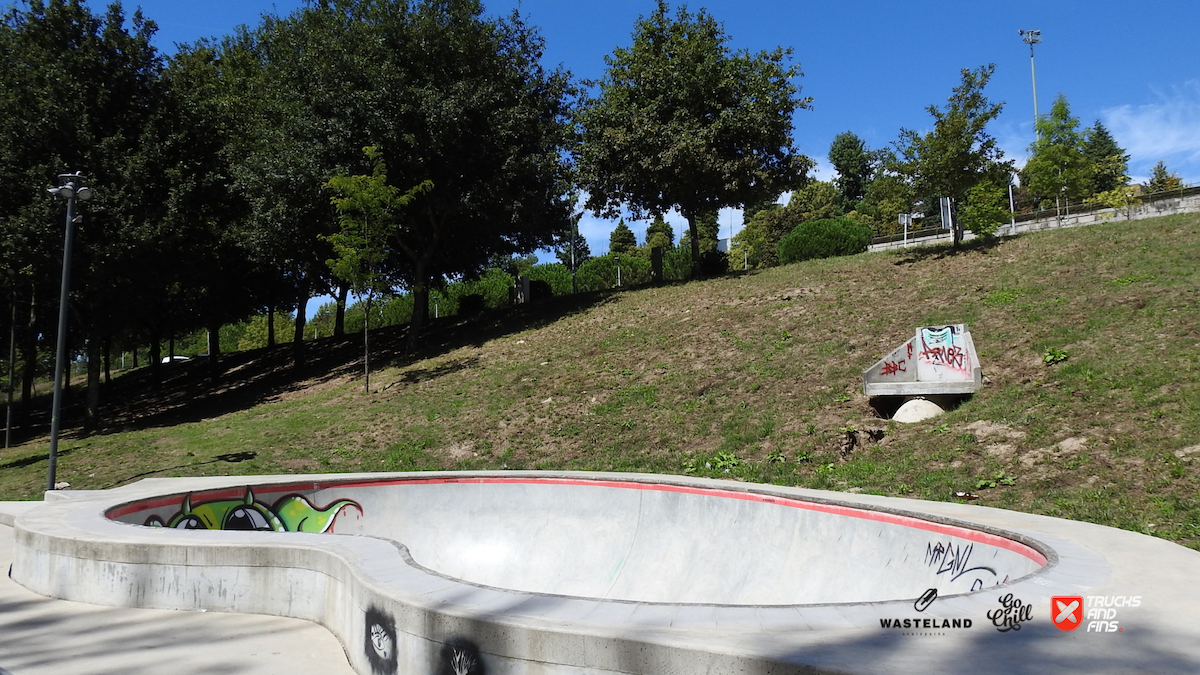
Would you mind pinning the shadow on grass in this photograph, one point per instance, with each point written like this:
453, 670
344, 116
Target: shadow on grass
32, 459
196, 390
915, 254
231, 458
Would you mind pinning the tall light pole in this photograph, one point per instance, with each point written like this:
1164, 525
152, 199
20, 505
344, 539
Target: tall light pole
1031, 38
73, 186
12, 357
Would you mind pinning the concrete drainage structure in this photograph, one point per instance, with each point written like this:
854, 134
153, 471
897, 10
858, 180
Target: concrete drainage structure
572, 573
937, 365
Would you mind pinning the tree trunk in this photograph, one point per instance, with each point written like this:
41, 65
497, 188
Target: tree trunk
29, 366
214, 349
271, 325
339, 317
91, 420
135, 351
694, 237
955, 226
420, 310
107, 360
301, 320
367, 347
155, 357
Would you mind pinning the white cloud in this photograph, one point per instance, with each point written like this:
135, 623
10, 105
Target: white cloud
1167, 129
823, 171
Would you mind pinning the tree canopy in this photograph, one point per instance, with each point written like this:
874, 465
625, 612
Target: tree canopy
1058, 167
622, 239
1109, 161
854, 165
660, 234
1162, 180
959, 152
683, 121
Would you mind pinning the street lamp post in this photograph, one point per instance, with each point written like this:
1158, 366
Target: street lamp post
1031, 38
12, 357
72, 187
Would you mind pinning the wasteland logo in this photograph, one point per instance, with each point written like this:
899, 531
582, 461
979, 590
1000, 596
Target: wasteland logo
1011, 613
924, 623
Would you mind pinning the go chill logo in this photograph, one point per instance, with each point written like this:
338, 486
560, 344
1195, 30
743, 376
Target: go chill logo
1098, 612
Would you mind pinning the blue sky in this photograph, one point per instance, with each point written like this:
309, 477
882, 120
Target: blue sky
872, 67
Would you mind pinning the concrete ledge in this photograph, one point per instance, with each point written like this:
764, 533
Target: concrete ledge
356, 584
10, 510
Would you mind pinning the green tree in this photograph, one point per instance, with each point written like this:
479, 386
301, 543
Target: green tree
1162, 180
1058, 167
888, 195
757, 244
660, 234
854, 165
959, 152
368, 209
255, 335
471, 110
707, 231
681, 121
81, 92
1109, 162
622, 239
817, 200
203, 245
754, 246
563, 247
986, 208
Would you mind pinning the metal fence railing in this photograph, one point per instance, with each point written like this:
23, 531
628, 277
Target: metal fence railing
1027, 214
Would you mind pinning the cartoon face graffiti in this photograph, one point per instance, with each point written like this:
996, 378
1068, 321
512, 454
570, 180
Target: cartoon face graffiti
292, 513
380, 643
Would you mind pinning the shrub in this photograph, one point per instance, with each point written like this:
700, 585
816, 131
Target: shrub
600, 274
555, 274
677, 264
494, 285
824, 238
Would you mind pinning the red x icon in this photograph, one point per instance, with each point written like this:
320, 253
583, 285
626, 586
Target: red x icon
1066, 611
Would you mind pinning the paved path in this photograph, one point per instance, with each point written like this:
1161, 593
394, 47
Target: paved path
42, 636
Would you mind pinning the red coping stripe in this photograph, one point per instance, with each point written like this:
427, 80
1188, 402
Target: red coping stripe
848, 511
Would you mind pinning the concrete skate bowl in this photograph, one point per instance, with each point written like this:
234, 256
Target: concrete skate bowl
628, 541
533, 572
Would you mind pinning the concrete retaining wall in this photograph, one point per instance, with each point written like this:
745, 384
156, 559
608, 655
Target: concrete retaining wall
1187, 202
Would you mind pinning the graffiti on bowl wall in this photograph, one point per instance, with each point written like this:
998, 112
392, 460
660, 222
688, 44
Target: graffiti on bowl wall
460, 657
293, 513
380, 643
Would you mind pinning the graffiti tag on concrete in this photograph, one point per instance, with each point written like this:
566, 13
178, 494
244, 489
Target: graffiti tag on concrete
293, 513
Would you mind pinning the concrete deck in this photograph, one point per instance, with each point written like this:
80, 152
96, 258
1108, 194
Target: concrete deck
44, 636
578, 573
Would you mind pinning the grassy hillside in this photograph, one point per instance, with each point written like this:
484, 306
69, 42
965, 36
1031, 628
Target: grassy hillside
754, 378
